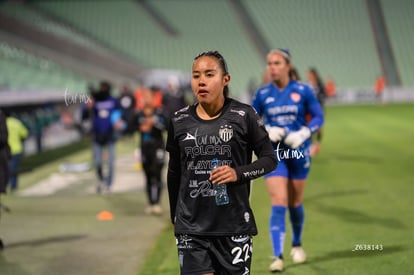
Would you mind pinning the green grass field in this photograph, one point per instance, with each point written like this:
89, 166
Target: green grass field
359, 192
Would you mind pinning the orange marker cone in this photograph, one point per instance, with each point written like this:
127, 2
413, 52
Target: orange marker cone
105, 216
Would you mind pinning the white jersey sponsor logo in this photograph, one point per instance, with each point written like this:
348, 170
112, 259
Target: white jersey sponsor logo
254, 173
240, 112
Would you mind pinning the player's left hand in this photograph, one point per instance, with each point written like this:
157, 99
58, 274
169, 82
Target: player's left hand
295, 139
223, 174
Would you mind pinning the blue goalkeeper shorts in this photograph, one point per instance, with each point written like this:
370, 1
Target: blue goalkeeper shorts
292, 163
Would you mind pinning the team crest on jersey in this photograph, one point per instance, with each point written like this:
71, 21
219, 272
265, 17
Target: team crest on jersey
226, 133
295, 97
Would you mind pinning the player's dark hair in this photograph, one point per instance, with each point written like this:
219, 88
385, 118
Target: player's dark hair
318, 78
222, 63
294, 74
103, 92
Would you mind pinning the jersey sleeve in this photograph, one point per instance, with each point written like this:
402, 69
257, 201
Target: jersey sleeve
315, 110
174, 170
262, 147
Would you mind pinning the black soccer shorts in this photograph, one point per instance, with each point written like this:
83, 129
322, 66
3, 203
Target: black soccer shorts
220, 255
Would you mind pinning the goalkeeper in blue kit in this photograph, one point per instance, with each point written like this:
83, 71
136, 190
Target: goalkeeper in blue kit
283, 104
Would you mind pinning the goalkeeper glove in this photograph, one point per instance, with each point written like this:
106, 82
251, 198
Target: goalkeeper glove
296, 138
275, 133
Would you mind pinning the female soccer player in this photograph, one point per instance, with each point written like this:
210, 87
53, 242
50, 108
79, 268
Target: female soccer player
283, 104
316, 82
210, 168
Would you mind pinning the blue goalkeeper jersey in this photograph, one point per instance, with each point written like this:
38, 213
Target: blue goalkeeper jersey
287, 108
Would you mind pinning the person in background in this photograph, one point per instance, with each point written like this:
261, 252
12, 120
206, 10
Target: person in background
126, 101
39, 126
4, 154
174, 96
319, 89
294, 74
107, 123
283, 104
157, 97
330, 87
379, 89
4, 158
151, 123
17, 133
211, 144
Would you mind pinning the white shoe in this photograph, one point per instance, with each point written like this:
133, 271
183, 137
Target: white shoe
298, 255
276, 265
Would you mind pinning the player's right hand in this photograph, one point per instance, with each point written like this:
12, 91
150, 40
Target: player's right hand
275, 133
296, 138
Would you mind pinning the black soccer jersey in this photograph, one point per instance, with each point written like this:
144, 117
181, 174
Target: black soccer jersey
193, 144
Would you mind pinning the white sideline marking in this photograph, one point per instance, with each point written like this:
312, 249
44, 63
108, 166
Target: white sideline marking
126, 179
51, 185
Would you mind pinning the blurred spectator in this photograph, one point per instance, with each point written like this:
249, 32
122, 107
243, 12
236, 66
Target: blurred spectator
317, 84
174, 97
138, 97
294, 74
319, 88
157, 97
151, 123
379, 88
4, 154
330, 87
39, 124
17, 133
4, 157
127, 103
86, 111
106, 124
